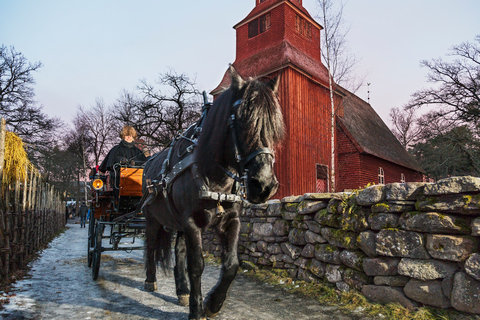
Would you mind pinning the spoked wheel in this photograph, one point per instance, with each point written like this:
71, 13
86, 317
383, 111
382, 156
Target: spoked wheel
91, 239
97, 250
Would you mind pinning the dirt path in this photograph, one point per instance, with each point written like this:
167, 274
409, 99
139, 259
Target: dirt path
60, 286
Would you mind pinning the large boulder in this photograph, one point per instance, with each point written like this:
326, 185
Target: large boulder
403, 191
451, 203
450, 247
386, 294
371, 195
380, 221
340, 238
453, 185
476, 227
472, 266
427, 292
426, 269
400, 243
393, 281
434, 222
466, 293
353, 259
328, 253
381, 266
306, 206
366, 242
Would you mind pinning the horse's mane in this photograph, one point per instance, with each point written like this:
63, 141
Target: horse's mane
260, 118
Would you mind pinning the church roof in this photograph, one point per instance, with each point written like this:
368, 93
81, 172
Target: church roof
371, 135
286, 55
267, 5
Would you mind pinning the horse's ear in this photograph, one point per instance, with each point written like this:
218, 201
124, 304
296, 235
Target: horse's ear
274, 83
237, 80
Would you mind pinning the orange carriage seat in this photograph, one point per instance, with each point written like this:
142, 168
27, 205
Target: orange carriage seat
131, 182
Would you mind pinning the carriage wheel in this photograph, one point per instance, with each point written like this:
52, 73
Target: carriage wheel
91, 239
97, 250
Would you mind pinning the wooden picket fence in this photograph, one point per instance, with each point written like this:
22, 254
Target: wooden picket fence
31, 213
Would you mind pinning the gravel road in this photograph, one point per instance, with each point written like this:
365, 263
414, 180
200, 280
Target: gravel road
60, 286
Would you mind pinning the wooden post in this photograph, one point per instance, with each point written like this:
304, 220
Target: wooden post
3, 130
3, 234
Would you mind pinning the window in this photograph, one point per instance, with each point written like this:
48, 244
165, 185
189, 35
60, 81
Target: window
402, 178
381, 176
303, 26
259, 25
322, 178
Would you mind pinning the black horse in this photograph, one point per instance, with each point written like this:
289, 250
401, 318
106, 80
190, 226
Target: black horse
201, 181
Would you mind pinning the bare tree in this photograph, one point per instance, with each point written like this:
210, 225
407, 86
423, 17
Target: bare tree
335, 50
456, 91
18, 107
100, 126
158, 114
16, 80
407, 127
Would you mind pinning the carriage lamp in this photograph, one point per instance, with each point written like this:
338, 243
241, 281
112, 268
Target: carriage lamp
97, 184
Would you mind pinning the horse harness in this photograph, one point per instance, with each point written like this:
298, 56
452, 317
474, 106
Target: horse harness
166, 177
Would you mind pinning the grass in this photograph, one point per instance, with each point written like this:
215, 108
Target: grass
352, 301
327, 293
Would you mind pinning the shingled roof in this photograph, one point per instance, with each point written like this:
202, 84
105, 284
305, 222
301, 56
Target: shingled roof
370, 134
285, 55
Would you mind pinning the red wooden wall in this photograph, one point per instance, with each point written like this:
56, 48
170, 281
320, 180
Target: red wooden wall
306, 109
356, 170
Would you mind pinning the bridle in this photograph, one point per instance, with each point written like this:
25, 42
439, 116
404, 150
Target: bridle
242, 162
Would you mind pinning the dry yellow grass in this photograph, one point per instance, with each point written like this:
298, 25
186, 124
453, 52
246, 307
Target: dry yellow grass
16, 160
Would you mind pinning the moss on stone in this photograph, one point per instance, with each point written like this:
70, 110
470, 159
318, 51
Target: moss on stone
382, 205
291, 207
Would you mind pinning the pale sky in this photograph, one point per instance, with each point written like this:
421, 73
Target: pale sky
96, 48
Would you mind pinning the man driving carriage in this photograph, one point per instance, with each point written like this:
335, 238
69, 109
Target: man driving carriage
125, 153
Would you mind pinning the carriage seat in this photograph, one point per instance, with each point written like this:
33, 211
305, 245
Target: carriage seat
130, 181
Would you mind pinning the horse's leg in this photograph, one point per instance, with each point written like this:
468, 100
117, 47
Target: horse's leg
216, 297
151, 231
195, 266
181, 283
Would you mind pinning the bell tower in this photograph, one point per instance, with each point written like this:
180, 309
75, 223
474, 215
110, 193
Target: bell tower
277, 33
280, 37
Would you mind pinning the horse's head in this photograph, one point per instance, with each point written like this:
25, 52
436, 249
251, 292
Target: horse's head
257, 127
239, 135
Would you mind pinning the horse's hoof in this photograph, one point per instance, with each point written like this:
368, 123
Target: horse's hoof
150, 286
183, 300
209, 313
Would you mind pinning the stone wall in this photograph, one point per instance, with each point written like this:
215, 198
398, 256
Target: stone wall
414, 243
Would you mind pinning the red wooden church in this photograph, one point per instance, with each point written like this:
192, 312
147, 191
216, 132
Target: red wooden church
281, 36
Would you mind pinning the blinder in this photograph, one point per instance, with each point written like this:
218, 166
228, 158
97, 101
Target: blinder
242, 161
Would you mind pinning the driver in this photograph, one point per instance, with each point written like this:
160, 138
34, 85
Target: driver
125, 152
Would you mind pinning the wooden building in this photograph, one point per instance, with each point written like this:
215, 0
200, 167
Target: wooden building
280, 36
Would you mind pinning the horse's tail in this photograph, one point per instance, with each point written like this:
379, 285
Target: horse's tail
163, 249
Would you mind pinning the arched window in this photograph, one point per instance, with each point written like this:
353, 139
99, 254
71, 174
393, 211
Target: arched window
402, 178
381, 176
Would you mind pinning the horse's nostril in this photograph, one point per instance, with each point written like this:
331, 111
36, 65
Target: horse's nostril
255, 186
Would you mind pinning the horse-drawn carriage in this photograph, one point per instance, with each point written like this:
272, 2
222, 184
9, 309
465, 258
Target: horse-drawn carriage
112, 213
202, 180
